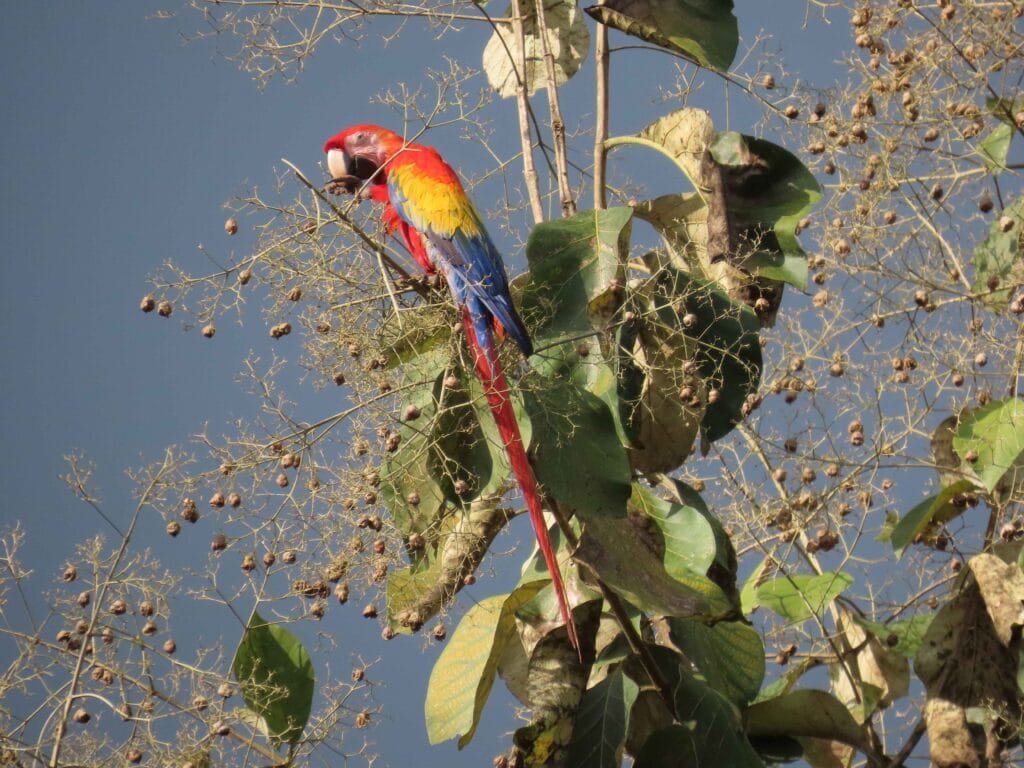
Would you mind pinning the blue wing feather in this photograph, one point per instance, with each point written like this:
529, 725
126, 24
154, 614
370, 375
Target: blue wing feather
474, 270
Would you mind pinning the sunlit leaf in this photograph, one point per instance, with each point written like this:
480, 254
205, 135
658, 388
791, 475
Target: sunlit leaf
568, 41
276, 678
902, 637
1000, 257
705, 31
690, 542
805, 713
937, 509
796, 598
464, 673
995, 432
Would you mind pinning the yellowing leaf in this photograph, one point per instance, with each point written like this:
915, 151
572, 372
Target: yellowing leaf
568, 41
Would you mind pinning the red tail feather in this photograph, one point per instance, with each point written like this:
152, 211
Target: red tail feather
499, 398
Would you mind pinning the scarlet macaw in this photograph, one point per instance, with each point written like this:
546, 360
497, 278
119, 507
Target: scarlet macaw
425, 202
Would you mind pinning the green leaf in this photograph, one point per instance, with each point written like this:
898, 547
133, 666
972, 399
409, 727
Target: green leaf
1000, 257
730, 655
768, 190
996, 433
599, 731
670, 747
749, 599
464, 673
909, 634
714, 723
610, 546
790, 678
573, 263
408, 470
727, 346
816, 714
464, 440
935, 509
419, 334
797, 598
690, 542
995, 147
575, 447
276, 678
705, 31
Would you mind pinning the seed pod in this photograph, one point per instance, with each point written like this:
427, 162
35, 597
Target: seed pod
148, 304
981, 359
295, 294
341, 593
288, 557
84, 598
209, 330
282, 480
150, 628
164, 309
170, 647
440, 633
370, 611
231, 226
219, 542
189, 511
768, 82
217, 500
82, 715
779, 475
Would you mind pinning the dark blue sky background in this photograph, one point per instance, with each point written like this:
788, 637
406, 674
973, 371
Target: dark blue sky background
120, 146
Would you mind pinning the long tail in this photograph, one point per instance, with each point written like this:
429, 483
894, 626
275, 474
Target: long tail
499, 398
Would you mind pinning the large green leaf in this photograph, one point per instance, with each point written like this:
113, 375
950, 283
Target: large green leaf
690, 542
705, 31
996, 433
463, 675
727, 349
575, 266
575, 447
407, 473
767, 191
718, 738
797, 598
1000, 257
908, 634
729, 654
816, 714
464, 441
276, 678
935, 510
602, 719
612, 549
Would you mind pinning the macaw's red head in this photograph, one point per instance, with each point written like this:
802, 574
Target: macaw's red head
360, 152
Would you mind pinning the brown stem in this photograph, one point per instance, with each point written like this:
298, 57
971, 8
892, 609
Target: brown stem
523, 112
557, 123
601, 55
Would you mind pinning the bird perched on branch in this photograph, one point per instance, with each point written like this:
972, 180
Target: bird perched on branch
426, 206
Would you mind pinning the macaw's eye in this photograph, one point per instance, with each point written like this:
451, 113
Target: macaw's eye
361, 167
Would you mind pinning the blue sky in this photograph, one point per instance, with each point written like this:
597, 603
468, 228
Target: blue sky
120, 147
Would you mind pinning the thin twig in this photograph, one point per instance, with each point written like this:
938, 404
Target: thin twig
557, 123
523, 113
601, 57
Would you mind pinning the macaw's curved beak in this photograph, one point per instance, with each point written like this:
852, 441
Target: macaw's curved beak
349, 172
